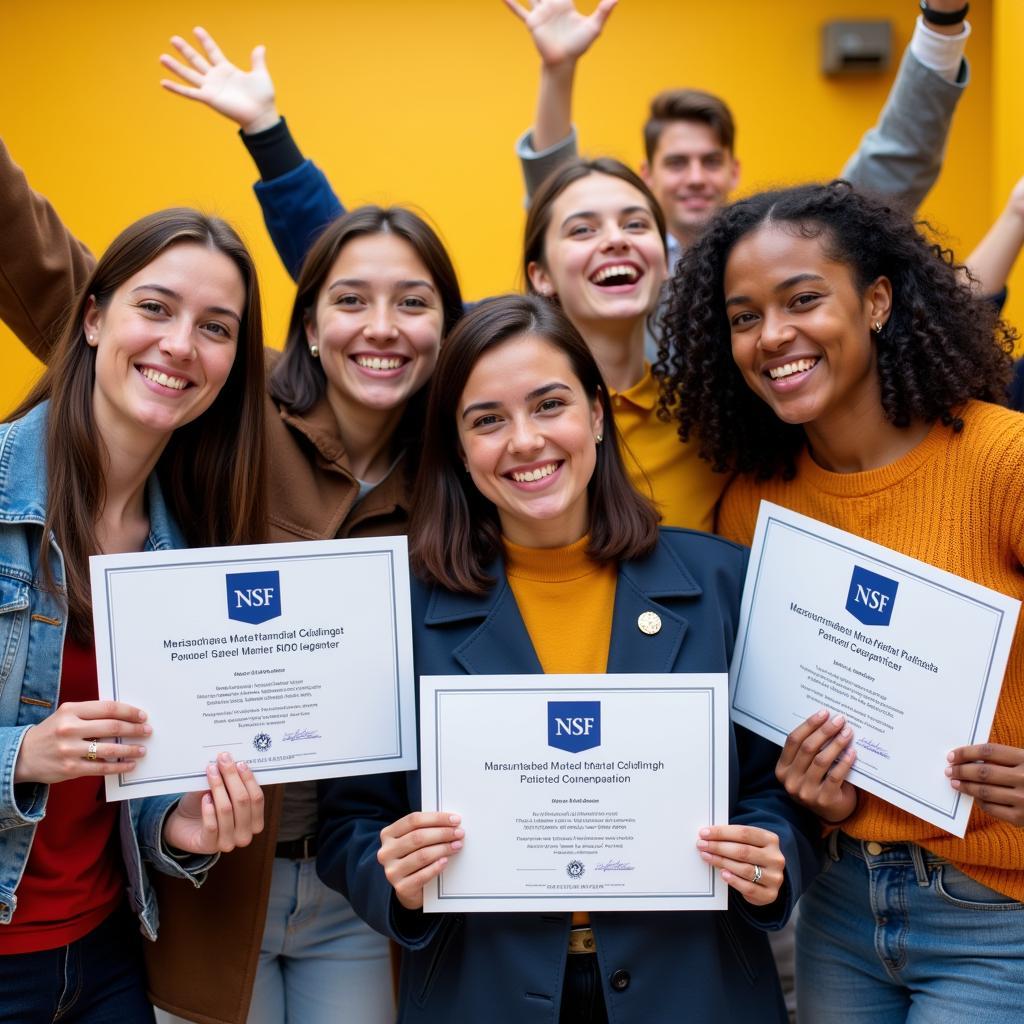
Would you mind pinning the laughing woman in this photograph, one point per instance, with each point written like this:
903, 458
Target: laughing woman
517, 392
838, 362
145, 434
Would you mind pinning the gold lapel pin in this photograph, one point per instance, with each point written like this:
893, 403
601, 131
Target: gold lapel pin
649, 623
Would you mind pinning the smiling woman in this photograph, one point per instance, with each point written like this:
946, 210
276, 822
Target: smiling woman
843, 366
532, 548
146, 432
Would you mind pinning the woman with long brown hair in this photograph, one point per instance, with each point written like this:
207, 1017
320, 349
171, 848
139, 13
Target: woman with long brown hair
144, 434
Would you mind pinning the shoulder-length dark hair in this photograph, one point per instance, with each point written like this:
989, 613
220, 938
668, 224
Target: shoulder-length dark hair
454, 532
940, 346
298, 380
212, 471
538, 217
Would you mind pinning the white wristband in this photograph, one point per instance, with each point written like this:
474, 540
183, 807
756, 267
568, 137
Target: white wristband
941, 53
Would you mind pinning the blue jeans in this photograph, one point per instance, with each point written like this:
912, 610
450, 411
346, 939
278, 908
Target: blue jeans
902, 937
98, 979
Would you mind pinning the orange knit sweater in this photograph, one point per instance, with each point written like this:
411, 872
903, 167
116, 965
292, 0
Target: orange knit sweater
955, 501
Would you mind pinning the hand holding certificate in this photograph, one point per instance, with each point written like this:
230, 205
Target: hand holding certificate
590, 795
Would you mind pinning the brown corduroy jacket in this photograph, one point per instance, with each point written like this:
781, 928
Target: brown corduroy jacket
203, 964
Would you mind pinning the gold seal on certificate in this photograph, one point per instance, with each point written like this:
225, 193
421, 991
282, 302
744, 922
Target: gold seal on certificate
296, 658
578, 792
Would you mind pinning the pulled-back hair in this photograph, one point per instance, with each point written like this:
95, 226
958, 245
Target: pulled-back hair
941, 345
689, 105
538, 217
454, 531
212, 470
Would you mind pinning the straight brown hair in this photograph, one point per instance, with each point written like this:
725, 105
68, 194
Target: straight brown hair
212, 471
298, 380
454, 531
689, 105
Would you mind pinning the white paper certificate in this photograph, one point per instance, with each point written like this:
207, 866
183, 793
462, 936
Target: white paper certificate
911, 655
576, 792
296, 658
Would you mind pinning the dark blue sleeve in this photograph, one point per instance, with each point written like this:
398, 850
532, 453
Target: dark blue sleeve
297, 206
1017, 386
352, 813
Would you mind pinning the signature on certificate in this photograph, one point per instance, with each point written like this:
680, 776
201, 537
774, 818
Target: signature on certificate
300, 734
873, 748
615, 865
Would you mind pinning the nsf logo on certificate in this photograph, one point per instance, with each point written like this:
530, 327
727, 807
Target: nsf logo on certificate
574, 725
254, 597
871, 597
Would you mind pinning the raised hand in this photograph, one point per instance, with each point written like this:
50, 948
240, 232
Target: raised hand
994, 775
227, 815
74, 741
561, 34
416, 849
749, 858
814, 764
246, 97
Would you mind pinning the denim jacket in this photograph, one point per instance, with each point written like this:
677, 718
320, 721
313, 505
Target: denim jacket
32, 624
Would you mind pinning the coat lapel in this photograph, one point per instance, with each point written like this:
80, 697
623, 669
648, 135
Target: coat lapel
644, 586
500, 645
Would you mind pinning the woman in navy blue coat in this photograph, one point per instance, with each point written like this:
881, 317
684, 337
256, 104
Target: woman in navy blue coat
513, 456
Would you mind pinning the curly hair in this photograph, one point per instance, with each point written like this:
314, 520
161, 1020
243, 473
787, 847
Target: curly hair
941, 346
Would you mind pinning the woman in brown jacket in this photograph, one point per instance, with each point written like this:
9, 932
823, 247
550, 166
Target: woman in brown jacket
375, 297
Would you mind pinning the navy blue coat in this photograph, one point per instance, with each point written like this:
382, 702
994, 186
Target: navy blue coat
508, 968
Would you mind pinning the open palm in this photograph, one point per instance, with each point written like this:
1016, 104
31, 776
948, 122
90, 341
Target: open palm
247, 97
559, 31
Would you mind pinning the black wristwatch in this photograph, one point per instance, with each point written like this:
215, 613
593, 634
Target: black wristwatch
934, 17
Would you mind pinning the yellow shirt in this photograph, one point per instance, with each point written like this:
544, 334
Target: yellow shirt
566, 601
659, 464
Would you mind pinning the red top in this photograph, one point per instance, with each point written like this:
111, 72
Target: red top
74, 877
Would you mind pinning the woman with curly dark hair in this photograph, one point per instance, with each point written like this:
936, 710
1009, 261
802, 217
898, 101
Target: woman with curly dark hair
824, 351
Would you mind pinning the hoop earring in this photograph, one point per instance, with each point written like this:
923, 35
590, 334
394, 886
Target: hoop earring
314, 351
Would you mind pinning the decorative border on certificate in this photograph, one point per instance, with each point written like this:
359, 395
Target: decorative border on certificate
558, 784
877, 637
298, 655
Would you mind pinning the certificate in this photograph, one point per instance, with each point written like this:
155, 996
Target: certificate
577, 792
295, 658
912, 656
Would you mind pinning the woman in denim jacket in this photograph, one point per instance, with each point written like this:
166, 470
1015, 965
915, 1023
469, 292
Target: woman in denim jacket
149, 417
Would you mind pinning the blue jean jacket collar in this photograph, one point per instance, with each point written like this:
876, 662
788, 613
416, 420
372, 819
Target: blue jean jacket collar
23, 489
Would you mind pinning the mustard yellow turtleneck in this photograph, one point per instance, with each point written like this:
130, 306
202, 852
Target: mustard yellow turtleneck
566, 601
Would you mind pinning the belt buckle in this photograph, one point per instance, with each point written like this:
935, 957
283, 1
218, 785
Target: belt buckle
581, 940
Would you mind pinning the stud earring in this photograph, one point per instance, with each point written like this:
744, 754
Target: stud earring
877, 326
314, 351
598, 438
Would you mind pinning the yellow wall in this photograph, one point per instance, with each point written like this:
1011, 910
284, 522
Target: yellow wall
384, 94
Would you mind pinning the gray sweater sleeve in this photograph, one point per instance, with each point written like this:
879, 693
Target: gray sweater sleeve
901, 155
537, 166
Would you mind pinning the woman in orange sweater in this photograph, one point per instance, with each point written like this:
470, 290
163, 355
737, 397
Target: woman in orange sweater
839, 364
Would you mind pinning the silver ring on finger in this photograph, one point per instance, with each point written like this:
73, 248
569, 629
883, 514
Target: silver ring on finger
90, 754
757, 874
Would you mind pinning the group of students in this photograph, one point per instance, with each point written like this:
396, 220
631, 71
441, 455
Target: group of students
812, 348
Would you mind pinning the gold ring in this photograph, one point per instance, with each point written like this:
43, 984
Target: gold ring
93, 747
